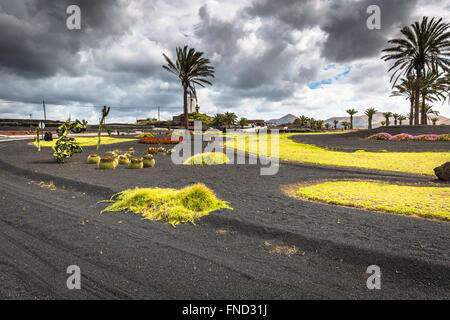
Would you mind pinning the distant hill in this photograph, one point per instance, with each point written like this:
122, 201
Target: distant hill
361, 120
289, 118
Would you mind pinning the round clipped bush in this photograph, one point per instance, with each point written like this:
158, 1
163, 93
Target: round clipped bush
136, 163
93, 158
123, 159
148, 161
109, 163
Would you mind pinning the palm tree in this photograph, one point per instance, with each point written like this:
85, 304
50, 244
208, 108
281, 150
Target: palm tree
218, 120
335, 123
387, 115
395, 116
303, 121
192, 69
407, 88
345, 124
319, 124
401, 118
327, 126
243, 122
429, 111
230, 118
434, 120
424, 46
370, 113
383, 123
351, 112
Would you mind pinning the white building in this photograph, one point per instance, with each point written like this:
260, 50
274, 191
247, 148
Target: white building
191, 103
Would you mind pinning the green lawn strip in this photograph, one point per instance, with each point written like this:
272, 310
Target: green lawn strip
169, 205
427, 202
87, 141
409, 162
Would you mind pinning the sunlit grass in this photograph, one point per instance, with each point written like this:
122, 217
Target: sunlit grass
429, 202
206, 159
87, 141
170, 205
289, 150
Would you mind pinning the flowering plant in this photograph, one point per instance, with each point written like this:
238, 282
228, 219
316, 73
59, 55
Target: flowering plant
168, 140
405, 137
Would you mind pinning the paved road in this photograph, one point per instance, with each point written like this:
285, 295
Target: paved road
238, 255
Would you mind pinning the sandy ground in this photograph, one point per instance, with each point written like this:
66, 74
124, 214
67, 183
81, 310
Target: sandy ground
241, 254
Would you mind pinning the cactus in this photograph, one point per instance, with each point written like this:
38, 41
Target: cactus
136, 163
148, 161
107, 163
38, 141
105, 112
66, 147
93, 158
123, 159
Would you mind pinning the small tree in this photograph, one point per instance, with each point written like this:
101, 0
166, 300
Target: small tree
387, 115
401, 118
434, 120
370, 113
351, 112
327, 126
105, 112
230, 118
243, 122
383, 123
345, 124
335, 123
395, 116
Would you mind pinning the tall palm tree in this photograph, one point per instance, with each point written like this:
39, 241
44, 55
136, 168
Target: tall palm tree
351, 112
192, 69
424, 46
303, 121
407, 88
370, 113
387, 115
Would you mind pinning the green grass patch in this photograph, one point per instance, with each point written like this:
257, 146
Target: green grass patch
170, 205
419, 201
207, 159
410, 162
87, 141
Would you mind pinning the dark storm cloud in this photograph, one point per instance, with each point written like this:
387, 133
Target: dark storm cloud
344, 22
36, 43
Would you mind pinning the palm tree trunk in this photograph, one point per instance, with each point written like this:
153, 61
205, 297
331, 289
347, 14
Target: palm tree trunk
424, 111
351, 122
411, 111
417, 97
186, 116
370, 122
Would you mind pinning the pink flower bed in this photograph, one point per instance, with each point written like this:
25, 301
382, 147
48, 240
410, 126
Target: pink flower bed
405, 136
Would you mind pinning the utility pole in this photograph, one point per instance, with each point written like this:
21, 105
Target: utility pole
43, 105
159, 112
31, 115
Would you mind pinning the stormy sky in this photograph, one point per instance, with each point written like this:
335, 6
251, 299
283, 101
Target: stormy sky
309, 57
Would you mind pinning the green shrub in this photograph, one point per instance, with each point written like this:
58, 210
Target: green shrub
123, 159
